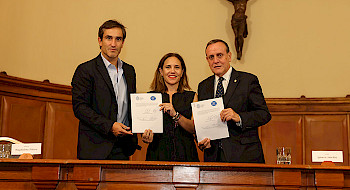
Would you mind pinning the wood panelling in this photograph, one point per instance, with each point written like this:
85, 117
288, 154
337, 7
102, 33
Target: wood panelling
140, 154
33, 111
307, 124
109, 174
23, 119
329, 179
61, 131
262, 178
283, 130
326, 132
45, 177
126, 186
137, 175
31, 89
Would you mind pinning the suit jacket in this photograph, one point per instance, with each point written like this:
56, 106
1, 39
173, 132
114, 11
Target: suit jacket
244, 95
94, 104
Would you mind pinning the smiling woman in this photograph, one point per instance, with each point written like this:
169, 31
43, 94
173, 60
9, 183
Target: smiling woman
177, 141
177, 62
171, 72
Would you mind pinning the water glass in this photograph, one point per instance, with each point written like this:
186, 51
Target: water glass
5, 150
284, 155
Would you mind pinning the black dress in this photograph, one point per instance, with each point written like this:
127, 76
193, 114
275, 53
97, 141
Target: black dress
175, 143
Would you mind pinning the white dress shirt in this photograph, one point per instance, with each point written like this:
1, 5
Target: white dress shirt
225, 82
227, 77
120, 89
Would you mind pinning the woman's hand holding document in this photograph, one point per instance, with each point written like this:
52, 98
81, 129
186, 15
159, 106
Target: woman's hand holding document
145, 112
207, 120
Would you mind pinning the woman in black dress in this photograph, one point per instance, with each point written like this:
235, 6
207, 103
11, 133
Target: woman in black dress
176, 143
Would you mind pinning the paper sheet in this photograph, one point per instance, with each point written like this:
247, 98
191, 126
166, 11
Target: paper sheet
145, 112
207, 120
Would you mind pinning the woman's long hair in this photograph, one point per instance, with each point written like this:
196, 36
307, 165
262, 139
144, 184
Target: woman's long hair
158, 84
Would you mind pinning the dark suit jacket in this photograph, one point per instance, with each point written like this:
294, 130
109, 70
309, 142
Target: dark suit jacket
244, 95
94, 104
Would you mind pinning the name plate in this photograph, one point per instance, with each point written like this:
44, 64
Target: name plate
31, 148
321, 156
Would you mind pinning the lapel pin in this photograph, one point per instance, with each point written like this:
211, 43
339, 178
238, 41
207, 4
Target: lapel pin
235, 80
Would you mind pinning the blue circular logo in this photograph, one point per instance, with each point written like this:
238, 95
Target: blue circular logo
213, 103
153, 98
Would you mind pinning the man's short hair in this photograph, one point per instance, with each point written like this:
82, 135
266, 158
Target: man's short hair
216, 41
111, 24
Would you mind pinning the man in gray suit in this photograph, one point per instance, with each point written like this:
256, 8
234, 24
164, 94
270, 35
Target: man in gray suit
244, 108
101, 99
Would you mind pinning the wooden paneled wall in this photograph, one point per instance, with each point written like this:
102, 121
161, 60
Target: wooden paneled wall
33, 111
305, 125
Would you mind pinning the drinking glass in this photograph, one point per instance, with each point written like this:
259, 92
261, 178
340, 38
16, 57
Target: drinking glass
284, 155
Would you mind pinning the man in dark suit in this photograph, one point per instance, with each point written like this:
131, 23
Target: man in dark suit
244, 108
101, 99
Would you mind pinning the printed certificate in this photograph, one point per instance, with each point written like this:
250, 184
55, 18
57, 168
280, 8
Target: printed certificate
207, 120
145, 112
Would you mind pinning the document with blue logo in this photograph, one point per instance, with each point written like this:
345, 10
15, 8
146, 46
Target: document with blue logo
145, 112
207, 120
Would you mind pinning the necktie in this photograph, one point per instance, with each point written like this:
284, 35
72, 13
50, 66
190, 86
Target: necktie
219, 88
219, 93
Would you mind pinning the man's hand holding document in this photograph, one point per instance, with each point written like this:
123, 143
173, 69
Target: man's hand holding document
145, 112
207, 120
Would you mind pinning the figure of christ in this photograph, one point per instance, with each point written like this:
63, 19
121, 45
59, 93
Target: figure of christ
239, 24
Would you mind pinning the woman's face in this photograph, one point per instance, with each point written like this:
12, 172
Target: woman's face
171, 71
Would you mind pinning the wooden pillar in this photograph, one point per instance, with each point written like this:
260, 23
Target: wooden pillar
329, 179
287, 179
45, 177
86, 177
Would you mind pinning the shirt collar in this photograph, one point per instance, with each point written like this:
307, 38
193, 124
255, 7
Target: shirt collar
226, 76
108, 64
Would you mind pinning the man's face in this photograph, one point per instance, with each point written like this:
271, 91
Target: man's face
218, 59
111, 43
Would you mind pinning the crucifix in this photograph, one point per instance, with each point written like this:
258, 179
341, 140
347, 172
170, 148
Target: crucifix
239, 24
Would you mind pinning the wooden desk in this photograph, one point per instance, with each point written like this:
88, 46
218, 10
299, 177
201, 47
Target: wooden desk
95, 174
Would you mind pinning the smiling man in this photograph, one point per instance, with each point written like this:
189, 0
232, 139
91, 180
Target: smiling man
244, 108
101, 99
